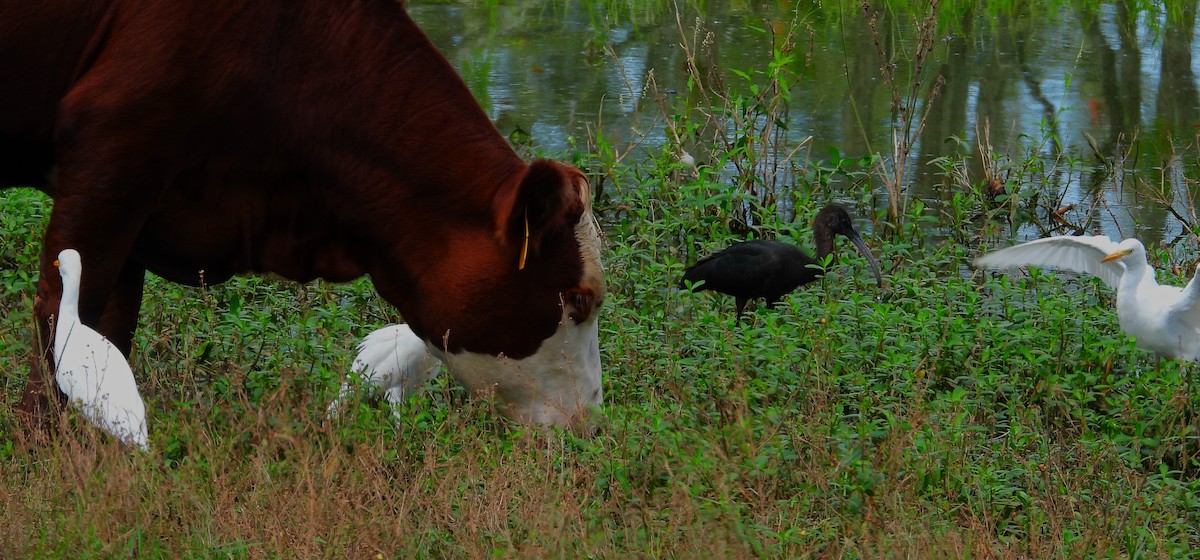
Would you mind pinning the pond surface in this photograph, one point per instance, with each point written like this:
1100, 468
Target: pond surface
1095, 107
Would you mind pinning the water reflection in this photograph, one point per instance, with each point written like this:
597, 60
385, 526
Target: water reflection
1104, 96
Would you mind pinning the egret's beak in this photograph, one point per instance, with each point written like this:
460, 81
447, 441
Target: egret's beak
1117, 255
862, 248
56, 263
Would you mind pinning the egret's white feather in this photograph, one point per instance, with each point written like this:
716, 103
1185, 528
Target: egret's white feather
1186, 310
1164, 319
393, 360
90, 370
1082, 253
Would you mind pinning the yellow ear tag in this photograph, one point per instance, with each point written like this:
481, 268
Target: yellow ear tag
56, 263
524, 246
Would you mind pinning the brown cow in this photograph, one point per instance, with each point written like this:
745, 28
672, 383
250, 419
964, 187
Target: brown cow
311, 139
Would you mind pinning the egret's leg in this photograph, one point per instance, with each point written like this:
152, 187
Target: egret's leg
394, 397
416, 377
353, 379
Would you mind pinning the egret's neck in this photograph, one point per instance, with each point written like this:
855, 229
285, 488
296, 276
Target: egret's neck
69, 305
66, 319
68, 309
1137, 273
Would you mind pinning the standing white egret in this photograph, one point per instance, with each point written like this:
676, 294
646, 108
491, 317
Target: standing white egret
392, 359
91, 370
1164, 319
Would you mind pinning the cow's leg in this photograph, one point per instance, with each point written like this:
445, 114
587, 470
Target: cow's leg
34, 409
119, 320
117, 131
110, 290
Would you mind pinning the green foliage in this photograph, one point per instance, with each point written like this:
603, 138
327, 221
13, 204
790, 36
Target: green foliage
1007, 413
954, 413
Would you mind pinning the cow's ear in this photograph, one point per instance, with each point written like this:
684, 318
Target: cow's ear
550, 197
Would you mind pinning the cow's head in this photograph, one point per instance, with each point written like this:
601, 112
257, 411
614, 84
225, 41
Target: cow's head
513, 310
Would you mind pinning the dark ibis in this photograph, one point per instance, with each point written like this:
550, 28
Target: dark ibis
770, 269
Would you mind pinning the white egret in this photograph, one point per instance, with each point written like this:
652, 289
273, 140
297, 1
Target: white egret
1164, 319
392, 359
90, 369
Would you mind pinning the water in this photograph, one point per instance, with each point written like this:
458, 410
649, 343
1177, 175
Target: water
1044, 79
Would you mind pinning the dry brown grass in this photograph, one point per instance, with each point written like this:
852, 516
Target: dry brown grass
281, 482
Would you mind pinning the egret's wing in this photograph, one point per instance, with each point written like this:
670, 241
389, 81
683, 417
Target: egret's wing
372, 363
1187, 308
1081, 253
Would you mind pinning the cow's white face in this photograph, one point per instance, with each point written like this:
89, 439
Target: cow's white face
560, 383
511, 307
557, 386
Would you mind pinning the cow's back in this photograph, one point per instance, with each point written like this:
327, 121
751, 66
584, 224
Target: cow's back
31, 87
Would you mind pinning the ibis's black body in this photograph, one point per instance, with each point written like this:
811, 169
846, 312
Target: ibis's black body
769, 269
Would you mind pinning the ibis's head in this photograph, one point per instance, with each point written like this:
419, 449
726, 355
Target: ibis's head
834, 219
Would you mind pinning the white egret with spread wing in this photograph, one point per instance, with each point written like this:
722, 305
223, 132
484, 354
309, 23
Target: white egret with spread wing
1163, 319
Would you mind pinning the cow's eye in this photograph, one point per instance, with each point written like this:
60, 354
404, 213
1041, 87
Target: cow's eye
581, 302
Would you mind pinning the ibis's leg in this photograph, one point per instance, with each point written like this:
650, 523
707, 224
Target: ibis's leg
741, 306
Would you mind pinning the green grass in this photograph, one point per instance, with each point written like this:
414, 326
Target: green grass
950, 414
